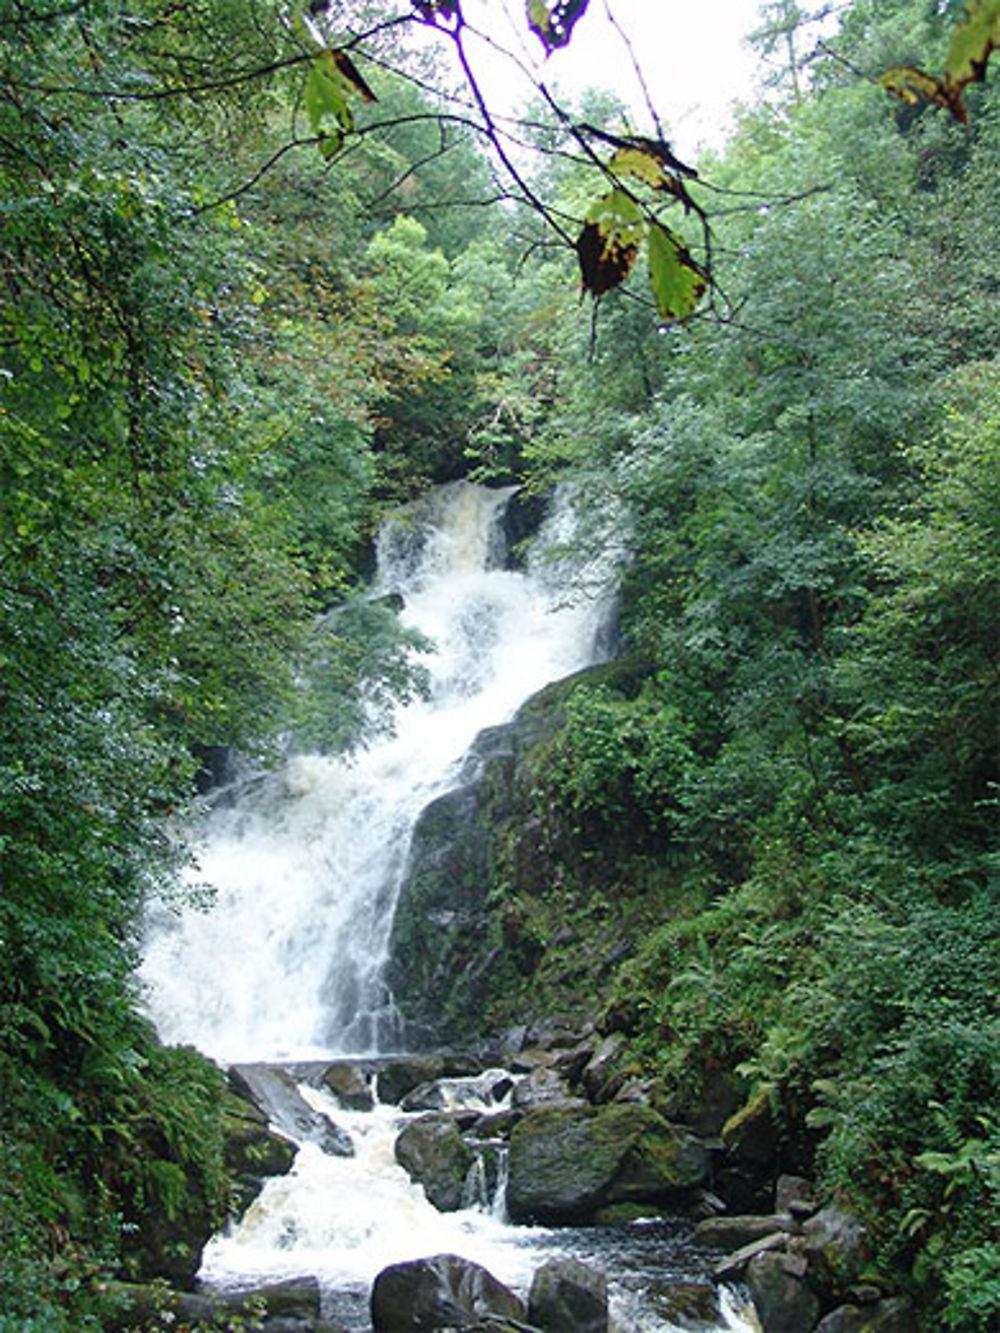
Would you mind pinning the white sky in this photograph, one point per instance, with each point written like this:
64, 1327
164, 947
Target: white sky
692, 52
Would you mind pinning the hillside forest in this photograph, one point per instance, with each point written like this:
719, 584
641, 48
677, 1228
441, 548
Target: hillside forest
253, 295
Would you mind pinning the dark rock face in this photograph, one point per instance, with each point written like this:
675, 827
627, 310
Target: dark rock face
568, 1297
568, 1163
783, 1300
433, 1152
441, 1292
457, 946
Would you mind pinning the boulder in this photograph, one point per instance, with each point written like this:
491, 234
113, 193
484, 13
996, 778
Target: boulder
783, 1300
568, 1297
734, 1264
687, 1305
566, 1163
400, 1077
440, 1292
350, 1085
836, 1246
433, 1153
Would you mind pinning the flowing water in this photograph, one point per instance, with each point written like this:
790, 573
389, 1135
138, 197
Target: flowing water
305, 865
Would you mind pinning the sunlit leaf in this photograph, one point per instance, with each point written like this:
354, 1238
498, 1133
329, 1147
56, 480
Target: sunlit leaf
608, 245
554, 23
677, 280
647, 166
642, 165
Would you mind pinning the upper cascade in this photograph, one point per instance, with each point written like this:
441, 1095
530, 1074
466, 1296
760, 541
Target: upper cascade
305, 866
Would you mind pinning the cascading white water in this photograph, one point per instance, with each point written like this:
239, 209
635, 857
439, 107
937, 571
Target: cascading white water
305, 867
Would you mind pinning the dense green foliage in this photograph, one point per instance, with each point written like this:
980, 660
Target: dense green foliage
211, 378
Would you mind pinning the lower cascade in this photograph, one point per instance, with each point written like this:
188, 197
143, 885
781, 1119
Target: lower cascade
286, 965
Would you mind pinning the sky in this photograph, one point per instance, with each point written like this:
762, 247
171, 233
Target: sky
693, 55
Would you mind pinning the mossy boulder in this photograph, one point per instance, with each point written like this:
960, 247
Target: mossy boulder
253, 1151
569, 1163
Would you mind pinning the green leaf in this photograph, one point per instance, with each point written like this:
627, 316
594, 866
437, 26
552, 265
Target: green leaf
972, 42
677, 280
333, 80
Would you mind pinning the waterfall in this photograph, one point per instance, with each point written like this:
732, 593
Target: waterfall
305, 865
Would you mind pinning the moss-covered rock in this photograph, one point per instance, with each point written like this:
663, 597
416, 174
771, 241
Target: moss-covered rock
567, 1164
509, 909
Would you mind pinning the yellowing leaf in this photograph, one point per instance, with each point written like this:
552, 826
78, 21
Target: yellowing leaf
644, 166
678, 281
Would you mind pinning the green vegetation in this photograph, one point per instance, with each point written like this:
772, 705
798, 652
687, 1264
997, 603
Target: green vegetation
221, 357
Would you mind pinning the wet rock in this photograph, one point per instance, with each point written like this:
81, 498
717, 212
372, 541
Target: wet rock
691, 1306
350, 1084
425, 1097
433, 1153
556, 1034
566, 1163
569, 1297
402, 1076
275, 1092
531, 1058
733, 1233
437, 1293
783, 1301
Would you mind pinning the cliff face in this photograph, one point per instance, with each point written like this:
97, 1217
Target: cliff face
511, 911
